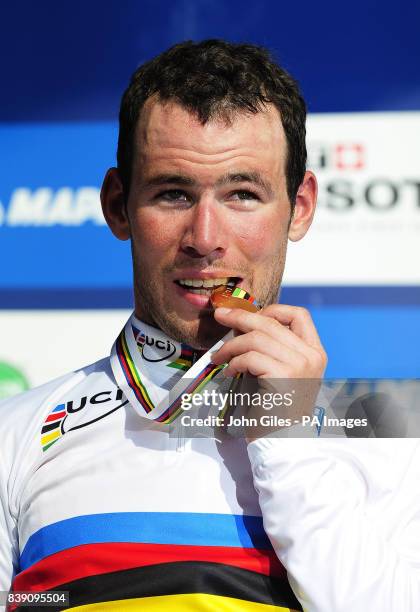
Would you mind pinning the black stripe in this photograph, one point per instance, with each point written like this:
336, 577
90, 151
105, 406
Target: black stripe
178, 578
50, 426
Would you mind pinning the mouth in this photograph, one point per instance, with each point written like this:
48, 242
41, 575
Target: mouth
206, 286
197, 291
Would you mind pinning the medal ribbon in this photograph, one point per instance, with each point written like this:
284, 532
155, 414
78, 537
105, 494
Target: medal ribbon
147, 398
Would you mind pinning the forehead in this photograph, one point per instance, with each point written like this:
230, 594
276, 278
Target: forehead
167, 133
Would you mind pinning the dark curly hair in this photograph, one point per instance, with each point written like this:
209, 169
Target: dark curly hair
213, 79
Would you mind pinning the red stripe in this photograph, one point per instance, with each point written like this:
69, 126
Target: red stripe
92, 559
55, 416
185, 351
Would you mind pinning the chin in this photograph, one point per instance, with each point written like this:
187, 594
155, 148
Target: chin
201, 331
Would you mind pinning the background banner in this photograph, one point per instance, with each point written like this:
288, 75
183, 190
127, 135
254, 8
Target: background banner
65, 281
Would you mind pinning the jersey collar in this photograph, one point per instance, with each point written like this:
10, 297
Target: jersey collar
154, 370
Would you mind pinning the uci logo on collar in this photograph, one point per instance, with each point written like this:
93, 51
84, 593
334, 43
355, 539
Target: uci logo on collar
153, 349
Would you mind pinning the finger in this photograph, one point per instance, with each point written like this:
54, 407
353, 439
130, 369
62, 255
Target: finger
298, 320
248, 321
258, 365
259, 342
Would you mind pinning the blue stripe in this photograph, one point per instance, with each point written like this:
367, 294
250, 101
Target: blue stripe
193, 529
59, 408
122, 297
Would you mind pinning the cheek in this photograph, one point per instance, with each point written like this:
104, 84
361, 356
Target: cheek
152, 235
262, 238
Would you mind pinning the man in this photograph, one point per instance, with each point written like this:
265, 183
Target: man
99, 497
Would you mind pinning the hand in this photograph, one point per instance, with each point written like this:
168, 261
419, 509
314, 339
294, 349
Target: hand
275, 345
279, 341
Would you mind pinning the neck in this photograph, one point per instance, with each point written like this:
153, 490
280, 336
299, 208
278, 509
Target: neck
200, 335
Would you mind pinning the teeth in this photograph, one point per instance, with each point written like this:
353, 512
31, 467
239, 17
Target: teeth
214, 282
210, 282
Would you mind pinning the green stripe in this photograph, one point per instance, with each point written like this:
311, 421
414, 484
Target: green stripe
50, 444
179, 366
239, 293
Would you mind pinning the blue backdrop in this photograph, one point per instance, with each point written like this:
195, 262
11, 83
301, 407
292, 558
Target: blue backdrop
63, 68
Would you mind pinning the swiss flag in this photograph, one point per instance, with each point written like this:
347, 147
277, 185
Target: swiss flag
349, 156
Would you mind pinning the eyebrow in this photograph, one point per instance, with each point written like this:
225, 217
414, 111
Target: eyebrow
173, 179
245, 177
232, 177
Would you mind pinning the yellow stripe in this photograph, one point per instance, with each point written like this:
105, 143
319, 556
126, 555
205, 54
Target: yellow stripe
173, 416
194, 602
51, 436
209, 376
186, 362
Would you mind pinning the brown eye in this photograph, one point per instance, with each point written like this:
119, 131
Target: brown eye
243, 200
173, 198
245, 195
173, 195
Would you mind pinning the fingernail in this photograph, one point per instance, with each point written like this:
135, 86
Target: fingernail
223, 311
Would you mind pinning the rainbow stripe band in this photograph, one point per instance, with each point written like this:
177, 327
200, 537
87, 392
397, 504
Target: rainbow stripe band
51, 429
134, 381
185, 360
244, 295
206, 374
132, 374
112, 557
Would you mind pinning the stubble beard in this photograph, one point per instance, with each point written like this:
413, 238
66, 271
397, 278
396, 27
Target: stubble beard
204, 332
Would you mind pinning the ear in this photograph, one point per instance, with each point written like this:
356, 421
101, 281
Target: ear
114, 206
304, 208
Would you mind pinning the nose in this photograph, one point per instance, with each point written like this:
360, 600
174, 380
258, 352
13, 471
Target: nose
205, 236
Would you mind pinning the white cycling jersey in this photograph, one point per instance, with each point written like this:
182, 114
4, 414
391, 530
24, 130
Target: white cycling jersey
114, 508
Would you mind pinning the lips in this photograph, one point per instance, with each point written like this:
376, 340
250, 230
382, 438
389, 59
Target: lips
206, 284
195, 291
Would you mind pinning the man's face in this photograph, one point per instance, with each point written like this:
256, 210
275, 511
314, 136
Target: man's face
206, 202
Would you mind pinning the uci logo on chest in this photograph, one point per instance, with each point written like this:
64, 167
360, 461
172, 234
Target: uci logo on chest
153, 349
94, 408
75, 414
